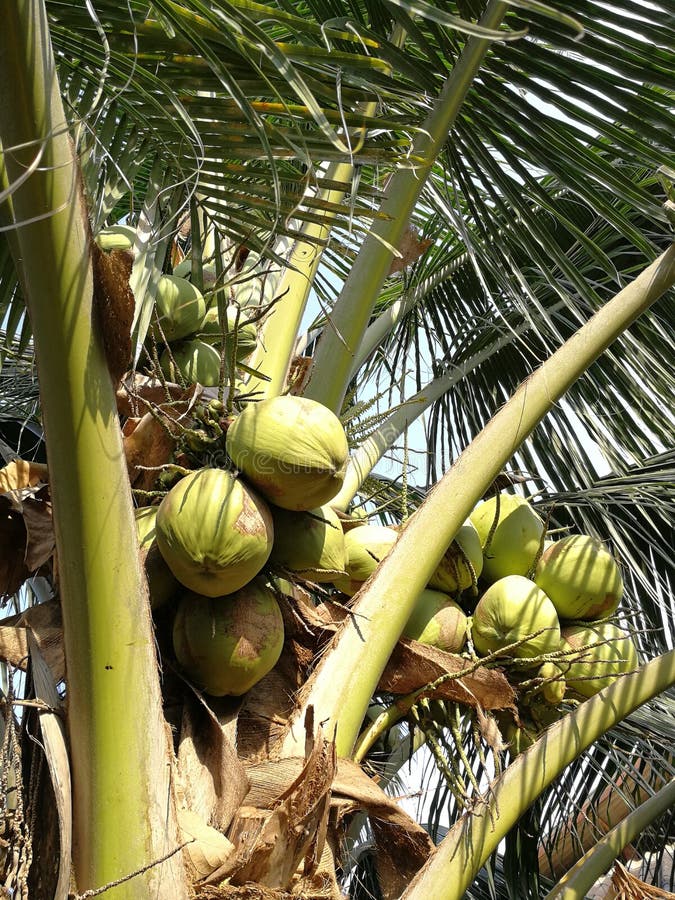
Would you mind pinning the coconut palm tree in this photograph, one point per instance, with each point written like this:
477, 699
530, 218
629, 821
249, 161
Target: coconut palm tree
462, 188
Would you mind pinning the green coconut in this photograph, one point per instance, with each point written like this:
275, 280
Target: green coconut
611, 655
162, 584
292, 449
212, 331
227, 644
214, 532
439, 621
553, 683
193, 362
516, 540
366, 546
510, 610
310, 543
581, 577
462, 563
180, 307
116, 237
184, 270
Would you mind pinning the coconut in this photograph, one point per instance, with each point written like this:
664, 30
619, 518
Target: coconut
212, 331
365, 546
184, 270
439, 621
180, 307
462, 563
161, 583
516, 540
193, 362
214, 532
581, 577
553, 683
292, 449
613, 654
116, 237
510, 610
227, 644
309, 543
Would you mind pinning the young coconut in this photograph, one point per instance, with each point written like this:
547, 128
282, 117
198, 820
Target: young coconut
365, 547
227, 644
214, 532
581, 577
611, 655
213, 333
310, 543
180, 307
116, 237
514, 609
439, 621
462, 564
292, 449
553, 684
193, 362
161, 583
515, 541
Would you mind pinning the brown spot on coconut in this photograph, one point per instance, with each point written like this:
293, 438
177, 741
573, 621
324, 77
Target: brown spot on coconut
310, 543
515, 542
227, 644
581, 577
439, 621
214, 532
293, 450
605, 653
514, 610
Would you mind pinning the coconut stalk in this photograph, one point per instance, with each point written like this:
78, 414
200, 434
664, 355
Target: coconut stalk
278, 336
468, 844
349, 318
123, 809
593, 865
579, 834
341, 686
370, 452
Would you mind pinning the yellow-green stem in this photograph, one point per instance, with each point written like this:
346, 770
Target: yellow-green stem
341, 339
280, 330
123, 813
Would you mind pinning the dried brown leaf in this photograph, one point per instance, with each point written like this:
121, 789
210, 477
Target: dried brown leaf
137, 393
413, 665
208, 849
149, 445
40, 539
21, 473
214, 781
411, 247
13, 569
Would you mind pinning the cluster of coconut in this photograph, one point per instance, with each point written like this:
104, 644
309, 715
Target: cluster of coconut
218, 533
194, 333
188, 324
556, 602
536, 597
